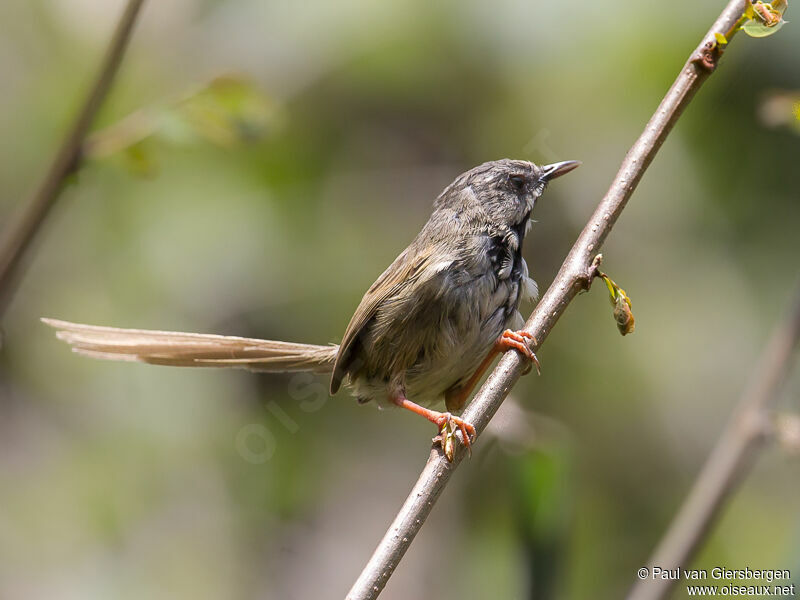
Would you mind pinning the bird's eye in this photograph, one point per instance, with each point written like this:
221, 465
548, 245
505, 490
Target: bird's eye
517, 182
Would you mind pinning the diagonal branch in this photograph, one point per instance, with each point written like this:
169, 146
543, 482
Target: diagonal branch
575, 275
728, 463
19, 235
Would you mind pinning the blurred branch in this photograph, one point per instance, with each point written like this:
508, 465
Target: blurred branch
19, 235
729, 462
575, 275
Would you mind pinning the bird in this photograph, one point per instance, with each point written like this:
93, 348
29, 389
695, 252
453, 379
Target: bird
424, 332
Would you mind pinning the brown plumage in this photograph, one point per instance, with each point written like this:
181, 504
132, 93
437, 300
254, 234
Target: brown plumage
425, 326
177, 349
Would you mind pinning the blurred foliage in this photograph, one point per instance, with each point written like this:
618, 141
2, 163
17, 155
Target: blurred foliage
779, 109
273, 201
229, 111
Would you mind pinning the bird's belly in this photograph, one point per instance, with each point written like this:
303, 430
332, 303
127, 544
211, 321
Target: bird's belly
466, 338
460, 330
427, 386
451, 358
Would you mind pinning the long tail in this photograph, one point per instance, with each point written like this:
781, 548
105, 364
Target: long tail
193, 349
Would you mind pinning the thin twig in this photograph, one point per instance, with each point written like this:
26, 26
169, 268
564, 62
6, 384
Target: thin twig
19, 235
728, 463
575, 275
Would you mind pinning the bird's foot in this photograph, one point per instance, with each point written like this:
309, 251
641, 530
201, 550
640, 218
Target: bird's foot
447, 423
518, 341
448, 426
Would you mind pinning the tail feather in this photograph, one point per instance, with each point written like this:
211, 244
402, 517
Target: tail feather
179, 349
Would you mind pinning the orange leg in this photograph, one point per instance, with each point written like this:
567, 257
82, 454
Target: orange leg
439, 418
456, 397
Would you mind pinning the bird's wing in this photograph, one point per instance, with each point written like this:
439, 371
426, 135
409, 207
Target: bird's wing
403, 272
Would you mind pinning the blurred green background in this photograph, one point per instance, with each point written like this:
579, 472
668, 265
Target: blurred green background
130, 481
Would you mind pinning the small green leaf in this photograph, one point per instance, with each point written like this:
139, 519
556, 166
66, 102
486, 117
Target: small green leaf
757, 29
623, 314
721, 39
764, 18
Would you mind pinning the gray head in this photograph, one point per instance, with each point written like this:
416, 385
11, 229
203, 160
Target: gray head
500, 193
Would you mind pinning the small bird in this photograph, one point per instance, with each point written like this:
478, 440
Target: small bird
424, 332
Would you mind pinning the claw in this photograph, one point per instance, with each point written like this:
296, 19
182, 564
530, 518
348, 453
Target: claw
518, 341
448, 424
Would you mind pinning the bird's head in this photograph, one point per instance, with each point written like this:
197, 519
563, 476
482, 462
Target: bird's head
501, 193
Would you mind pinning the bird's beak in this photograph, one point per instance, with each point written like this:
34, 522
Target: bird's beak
558, 169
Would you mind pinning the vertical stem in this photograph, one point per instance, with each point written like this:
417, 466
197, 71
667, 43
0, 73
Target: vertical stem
18, 236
